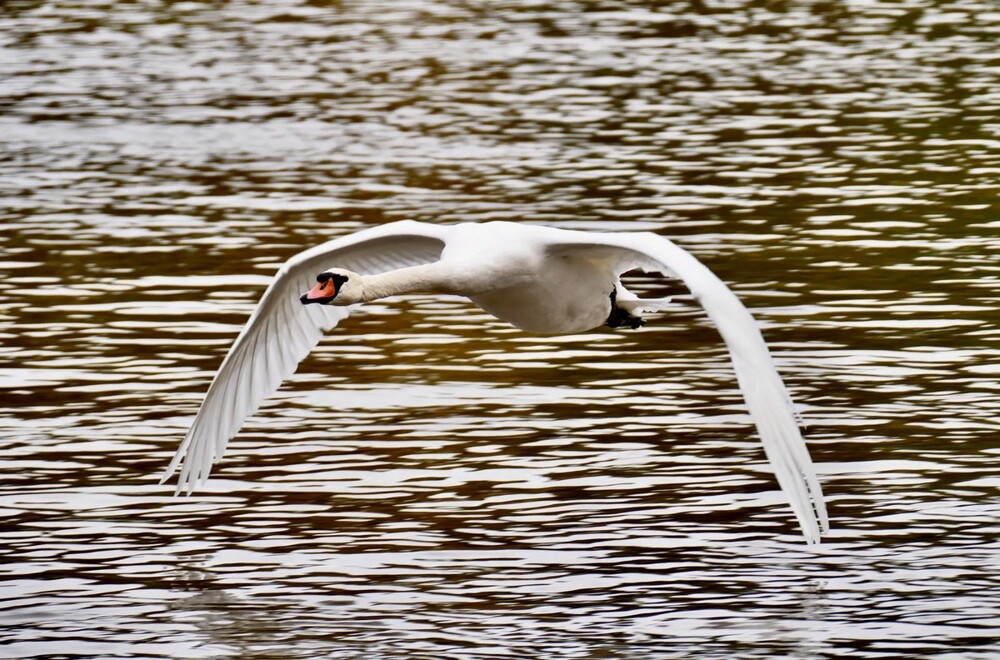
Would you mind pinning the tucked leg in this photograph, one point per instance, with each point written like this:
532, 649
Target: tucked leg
619, 317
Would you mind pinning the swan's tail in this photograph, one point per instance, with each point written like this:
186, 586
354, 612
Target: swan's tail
638, 307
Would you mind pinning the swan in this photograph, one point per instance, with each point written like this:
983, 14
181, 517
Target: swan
540, 279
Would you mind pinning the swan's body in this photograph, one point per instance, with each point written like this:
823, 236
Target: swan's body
559, 297
540, 279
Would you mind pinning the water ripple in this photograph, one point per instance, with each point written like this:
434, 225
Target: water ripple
433, 483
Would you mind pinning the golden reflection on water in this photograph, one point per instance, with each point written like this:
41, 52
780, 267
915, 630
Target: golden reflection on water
433, 483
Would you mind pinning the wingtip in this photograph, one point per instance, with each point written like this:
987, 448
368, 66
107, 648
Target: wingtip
166, 477
816, 526
816, 539
168, 473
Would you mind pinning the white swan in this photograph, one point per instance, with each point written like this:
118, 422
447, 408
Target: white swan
540, 279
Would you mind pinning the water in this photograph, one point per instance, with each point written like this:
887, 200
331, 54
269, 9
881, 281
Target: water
433, 483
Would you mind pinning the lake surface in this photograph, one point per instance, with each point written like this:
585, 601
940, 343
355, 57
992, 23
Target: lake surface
435, 484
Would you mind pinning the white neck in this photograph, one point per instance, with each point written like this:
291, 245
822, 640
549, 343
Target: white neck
437, 277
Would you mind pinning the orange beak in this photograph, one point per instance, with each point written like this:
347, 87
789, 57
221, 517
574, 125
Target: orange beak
321, 293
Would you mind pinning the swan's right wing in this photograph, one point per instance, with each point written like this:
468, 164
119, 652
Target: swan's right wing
281, 332
765, 394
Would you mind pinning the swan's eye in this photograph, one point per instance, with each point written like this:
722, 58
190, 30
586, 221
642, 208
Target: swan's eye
338, 279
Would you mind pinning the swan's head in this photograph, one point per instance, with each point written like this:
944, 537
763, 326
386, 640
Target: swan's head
334, 287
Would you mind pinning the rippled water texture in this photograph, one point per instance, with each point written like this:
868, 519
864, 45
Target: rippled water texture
433, 483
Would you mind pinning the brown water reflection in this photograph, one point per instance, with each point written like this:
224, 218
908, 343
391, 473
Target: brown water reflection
433, 483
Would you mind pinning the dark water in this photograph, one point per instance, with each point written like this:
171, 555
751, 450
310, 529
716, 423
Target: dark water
433, 483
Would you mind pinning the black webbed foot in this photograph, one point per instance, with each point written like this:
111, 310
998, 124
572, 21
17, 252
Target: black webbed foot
619, 317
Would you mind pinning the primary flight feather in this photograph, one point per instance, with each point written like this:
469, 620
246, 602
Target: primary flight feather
540, 279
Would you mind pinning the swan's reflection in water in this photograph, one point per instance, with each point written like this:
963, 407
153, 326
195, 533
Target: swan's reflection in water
515, 602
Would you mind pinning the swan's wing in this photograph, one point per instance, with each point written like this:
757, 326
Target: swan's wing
764, 392
281, 331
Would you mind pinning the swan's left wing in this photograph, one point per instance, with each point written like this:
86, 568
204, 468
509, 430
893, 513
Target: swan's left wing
764, 392
281, 331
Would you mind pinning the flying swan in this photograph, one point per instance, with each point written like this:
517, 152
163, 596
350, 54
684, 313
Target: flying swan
541, 279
